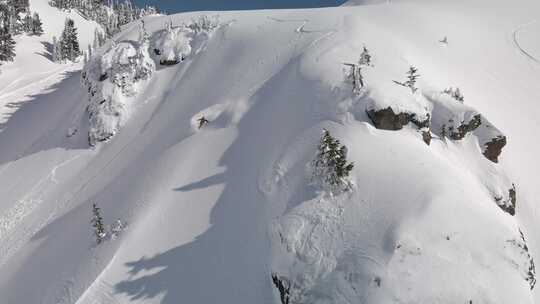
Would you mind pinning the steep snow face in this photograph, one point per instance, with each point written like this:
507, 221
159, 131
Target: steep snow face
224, 211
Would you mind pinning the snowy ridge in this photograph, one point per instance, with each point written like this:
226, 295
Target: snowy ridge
224, 212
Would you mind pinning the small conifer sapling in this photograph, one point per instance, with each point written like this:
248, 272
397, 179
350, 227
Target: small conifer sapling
365, 58
412, 77
97, 224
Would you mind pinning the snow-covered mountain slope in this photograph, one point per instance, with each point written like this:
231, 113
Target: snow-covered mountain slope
226, 213
33, 71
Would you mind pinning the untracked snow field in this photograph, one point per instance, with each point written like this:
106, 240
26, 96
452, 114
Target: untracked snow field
226, 213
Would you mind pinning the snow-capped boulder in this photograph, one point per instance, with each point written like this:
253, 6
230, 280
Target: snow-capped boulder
393, 107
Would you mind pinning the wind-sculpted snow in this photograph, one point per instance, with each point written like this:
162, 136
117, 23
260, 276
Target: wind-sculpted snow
112, 80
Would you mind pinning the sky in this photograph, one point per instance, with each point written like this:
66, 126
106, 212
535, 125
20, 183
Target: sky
173, 6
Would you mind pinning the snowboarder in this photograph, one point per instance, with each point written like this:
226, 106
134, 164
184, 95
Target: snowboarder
444, 41
202, 121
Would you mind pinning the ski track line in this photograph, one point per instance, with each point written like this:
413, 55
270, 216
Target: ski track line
23, 207
287, 20
33, 84
518, 46
13, 82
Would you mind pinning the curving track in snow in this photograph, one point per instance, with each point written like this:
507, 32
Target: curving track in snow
523, 50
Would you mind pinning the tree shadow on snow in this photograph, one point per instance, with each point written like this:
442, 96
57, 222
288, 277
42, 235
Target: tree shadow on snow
228, 262
48, 50
42, 121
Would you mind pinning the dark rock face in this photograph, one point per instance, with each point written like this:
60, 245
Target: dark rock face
386, 119
509, 205
465, 128
426, 136
283, 285
169, 62
493, 149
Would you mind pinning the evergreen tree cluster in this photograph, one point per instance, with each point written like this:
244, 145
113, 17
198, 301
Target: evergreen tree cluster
111, 15
455, 93
100, 230
97, 223
11, 23
67, 47
330, 168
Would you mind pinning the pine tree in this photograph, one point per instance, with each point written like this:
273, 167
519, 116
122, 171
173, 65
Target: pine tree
96, 42
365, 58
89, 52
7, 45
69, 41
37, 28
412, 76
55, 50
455, 93
355, 77
27, 23
144, 66
97, 223
330, 167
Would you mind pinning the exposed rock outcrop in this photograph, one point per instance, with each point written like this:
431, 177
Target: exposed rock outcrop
493, 148
456, 120
508, 205
465, 127
426, 135
283, 285
387, 119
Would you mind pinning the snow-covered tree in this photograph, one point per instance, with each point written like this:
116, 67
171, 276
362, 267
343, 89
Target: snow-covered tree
89, 52
117, 227
27, 23
37, 28
97, 224
56, 56
455, 93
144, 66
354, 76
110, 14
69, 42
330, 169
7, 45
412, 77
204, 23
365, 58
